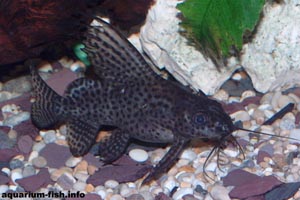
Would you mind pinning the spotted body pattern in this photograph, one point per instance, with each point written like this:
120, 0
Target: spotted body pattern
131, 97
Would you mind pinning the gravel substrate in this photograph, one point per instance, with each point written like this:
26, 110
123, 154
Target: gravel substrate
40, 161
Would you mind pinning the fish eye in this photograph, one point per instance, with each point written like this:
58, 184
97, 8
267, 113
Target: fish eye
199, 119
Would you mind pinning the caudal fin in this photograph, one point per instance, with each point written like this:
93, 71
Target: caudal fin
47, 110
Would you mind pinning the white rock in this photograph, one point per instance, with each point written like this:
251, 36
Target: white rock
272, 58
73, 161
188, 154
181, 192
219, 192
78, 66
138, 155
111, 184
3, 188
212, 166
231, 152
167, 48
38, 146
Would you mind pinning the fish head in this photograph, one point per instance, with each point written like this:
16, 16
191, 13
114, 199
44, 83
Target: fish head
205, 118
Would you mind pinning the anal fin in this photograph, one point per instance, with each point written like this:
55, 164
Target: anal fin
81, 135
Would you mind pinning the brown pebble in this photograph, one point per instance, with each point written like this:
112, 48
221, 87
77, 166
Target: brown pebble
187, 168
61, 142
185, 184
89, 188
280, 160
38, 138
102, 135
57, 173
81, 167
92, 169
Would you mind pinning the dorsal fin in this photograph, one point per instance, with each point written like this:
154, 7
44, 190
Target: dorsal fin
113, 56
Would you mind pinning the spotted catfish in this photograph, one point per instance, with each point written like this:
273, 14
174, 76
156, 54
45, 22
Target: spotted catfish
131, 97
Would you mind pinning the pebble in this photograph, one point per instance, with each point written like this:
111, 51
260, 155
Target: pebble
170, 183
295, 133
5, 141
16, 163
81, 167
66, 181
111, 184
181, 192
45, 67
16, 119
58, 172
81, 176
16, 174
39, 162
241, 115
49, 137
73, 161
116, 197
79, 186
12, 134
6, 170
188, 154
138, 155
221, 95
91, 169
102, 193
38, 146
78, 66
29, 170
25, 144
18, 85
219, 192
283, 100
89, 188
287, 124
246, 94
32, 156
3, 188
5, 95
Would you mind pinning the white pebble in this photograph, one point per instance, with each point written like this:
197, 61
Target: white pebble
221, 95
138, 155
170, 183
102, 193
219, 192
16, 174
78, 66
237, 76
46, 67
33, 155
188, 154
268, 113
39, 162
116, 197
283, 100
81, 176
291, 147
38, 146
73, 161
295, 133
240, 115
211, 166
246, 94
181, 192
111, 184
233, 99
6, 171
79, 186
49, 137
16, 119
231, 153
265, 107
3, 188
274, 101
13, 187
287, 124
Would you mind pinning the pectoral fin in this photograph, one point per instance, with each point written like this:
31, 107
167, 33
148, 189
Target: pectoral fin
81, 136
169, 159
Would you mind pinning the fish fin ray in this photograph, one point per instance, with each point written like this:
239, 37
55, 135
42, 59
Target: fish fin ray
113, 56
47, 110
113, 146
81, 135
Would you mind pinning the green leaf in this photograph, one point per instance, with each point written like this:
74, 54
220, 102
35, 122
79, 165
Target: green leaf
218, 26
81, 55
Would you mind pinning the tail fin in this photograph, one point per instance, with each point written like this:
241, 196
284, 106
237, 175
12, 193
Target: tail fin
47, 110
